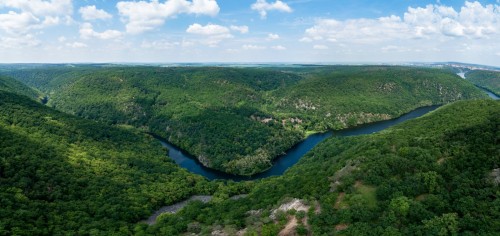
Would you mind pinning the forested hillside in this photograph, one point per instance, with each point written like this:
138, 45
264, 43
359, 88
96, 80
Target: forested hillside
238, 119
46, 77
11, 85
489, 80
343, 96
62, 175
435, 175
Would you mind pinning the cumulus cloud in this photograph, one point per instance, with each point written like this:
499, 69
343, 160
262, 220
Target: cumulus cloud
213, 34
262, 6
92, 13
33, 14
209, 29
272, 36
431, 22
87, 32
24, 41
243, 29
147, 15
14, 23
41, 8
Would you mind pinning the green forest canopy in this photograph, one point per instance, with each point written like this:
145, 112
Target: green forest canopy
489, 80
238, 119
60, 174
434, 175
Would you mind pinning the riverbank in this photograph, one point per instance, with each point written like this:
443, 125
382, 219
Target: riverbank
292, 156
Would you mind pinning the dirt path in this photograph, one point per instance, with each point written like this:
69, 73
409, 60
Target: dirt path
289, 227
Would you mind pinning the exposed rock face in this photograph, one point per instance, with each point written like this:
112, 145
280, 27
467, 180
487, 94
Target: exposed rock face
295, 204
176, 207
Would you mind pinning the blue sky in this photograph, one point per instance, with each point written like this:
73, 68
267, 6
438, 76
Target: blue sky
328, 31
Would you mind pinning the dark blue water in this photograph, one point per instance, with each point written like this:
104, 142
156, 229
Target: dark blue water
292, 156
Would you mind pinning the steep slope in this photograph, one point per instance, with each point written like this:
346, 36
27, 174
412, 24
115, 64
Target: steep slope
46, 77
238, 119
487, 79
11, 85
65, 175
207, 111
435, 175
344, 96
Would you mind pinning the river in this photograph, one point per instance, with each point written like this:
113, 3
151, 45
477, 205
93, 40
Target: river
490, 94
292, 156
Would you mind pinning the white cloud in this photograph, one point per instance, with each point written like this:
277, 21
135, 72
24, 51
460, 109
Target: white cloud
61, 39
243, 29
279, 47
357, 30
213, 34
19, 42
252, 47
320, 47
15, 23
209, 29
429, 33
76, 45
144, 16
272, 36
27, 15
92, 13
203, 7
435, 22
87, 32
41, 8
262, 6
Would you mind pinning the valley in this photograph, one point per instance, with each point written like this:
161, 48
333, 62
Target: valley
249, 118
363, 149
238, 120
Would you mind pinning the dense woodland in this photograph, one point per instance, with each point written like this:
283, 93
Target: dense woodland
489, 80
10, 85
61, 174
238, 119
435, 175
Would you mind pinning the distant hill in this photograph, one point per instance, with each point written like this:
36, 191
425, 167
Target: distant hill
11, 85
46, 77
238, 119
489, 80
344, 96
